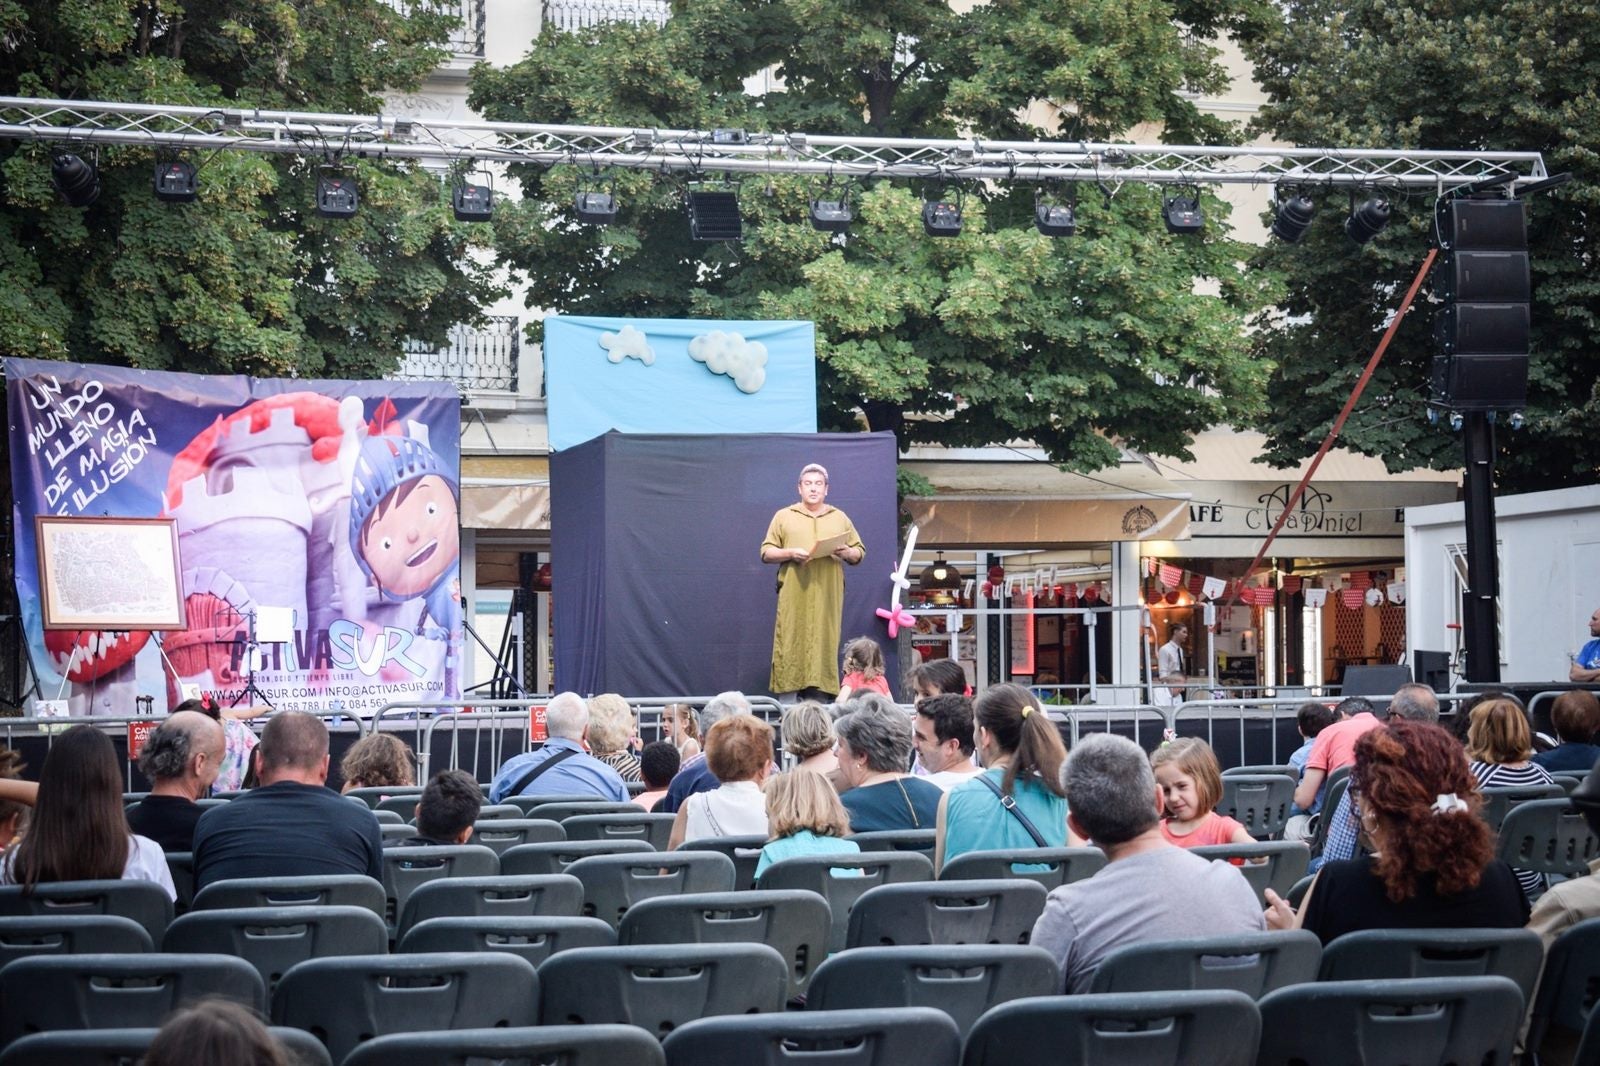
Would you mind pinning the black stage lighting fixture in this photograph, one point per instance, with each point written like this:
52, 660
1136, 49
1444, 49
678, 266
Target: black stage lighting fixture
1182, 214
714, 215
1052, 217
594, 206
941, 213
337, 196
1367, 221
1293, 219
77, 182
831, 216
472, 202
175, 182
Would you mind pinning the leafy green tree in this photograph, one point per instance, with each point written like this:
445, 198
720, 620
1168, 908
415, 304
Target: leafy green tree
1470, 74
996, 335
248, 279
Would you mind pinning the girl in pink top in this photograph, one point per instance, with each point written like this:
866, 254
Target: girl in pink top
863, 669
1191, 785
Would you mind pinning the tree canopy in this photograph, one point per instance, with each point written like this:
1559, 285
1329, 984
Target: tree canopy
248, 279
1440, 74
1000, 334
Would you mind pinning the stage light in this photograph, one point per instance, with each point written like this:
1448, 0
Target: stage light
729, 136
175, 182
1182, 214
714, 215
337, 196
471, 202
1367, 221
595, 207
1293, 219
939, 575
831, 216
77, 182
941, 214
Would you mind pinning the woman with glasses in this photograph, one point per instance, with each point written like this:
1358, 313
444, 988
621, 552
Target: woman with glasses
1433, 864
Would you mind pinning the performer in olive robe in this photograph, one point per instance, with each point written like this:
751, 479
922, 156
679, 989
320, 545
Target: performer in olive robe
805, 638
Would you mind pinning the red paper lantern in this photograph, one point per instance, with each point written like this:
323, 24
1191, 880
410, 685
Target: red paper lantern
1091, 595
1171, 597
997, 574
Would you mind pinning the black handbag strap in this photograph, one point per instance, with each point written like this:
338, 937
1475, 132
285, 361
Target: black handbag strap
1010, 804
532, 775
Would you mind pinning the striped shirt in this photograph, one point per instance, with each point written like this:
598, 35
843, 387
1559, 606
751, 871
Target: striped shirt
1504, 775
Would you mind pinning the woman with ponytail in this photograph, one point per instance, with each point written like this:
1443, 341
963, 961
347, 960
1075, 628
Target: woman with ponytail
1018, 801
1433, 866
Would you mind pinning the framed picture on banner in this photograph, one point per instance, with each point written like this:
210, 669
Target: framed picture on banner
109, 573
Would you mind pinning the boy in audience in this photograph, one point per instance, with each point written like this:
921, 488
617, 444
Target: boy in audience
658, 765
447, 810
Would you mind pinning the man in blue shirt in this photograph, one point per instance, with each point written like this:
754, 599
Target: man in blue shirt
1586, 664
563, 765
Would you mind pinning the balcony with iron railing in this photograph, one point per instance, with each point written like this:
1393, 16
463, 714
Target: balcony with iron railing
568, 15
467, 39
481, 358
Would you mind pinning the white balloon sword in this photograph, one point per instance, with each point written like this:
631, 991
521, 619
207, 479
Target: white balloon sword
896, 615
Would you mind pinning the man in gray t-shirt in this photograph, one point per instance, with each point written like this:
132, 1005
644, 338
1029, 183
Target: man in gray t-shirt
1150, 889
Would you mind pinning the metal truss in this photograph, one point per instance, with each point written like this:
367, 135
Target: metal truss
736, 152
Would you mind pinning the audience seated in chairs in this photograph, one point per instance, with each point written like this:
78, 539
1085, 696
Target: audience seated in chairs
563, 766
216, 1032
807, 730
447, 809
292, 824
739, 753
181, 757
1576, 717
79, 831
1022, 756
1149, 889
658, 764
378, 760
16, 797
1434, 864
695, 775
613, 727
1500, 743
943, 736
874, 751
804, 817
241, 739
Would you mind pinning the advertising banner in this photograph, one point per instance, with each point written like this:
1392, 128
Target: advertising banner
317, 524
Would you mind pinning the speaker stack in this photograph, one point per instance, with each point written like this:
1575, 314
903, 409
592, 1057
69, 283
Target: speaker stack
1482, 328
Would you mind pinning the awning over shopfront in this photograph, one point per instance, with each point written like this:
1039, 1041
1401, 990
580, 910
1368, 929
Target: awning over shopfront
1029, 503
514, 505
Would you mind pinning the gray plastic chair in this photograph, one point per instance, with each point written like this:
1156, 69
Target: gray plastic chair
1281, 769
553, 895
122, 1047
345, 1001
962, 980
613, 883
404, 805
528, 803
395, 835
272, 939
372, 797
560, 811
1566, 994
1297, 892
320, 890
653, 829
1547, 836
856, 875
569, 1045
49, 992
1260, 801
1051, 867
556, 856
1218, 1028
659, 987
1274, 864
500, 812
745, 851
503, 834
1252, 963
533, 938
1333, 791
1001, 911
180, 864
143, 901
796, 924
1375, 1023
919, 1035
1568, 779
71, 934
389, 818
407, 869
896, 840
1498, 802
1386, 954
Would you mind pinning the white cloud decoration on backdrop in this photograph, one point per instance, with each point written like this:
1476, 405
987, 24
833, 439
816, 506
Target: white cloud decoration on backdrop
729, 353
628, 343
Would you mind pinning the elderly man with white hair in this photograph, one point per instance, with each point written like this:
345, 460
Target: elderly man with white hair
563, 766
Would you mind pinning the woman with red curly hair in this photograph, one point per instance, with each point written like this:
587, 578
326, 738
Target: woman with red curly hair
1434, 864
